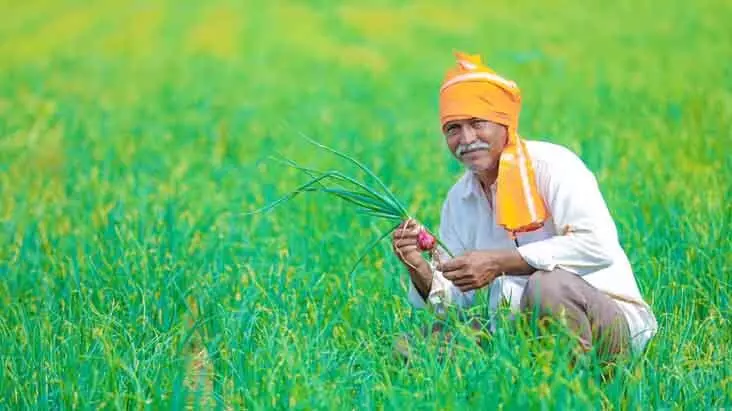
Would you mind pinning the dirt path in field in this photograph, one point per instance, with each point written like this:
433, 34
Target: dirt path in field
200, 372
199, 380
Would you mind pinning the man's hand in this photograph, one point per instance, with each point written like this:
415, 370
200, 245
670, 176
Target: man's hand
477, 269
404, 243
473, 270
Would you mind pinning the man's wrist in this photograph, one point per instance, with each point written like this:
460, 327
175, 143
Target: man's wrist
510, 262
421, 277
422, 268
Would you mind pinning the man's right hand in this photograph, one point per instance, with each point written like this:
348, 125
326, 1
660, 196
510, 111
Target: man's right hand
404, 243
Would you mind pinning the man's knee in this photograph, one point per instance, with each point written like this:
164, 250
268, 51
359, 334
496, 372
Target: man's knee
544, 291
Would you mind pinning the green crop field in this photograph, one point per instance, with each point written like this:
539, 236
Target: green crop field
134, 139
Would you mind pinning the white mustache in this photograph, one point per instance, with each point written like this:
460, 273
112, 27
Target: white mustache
477, 145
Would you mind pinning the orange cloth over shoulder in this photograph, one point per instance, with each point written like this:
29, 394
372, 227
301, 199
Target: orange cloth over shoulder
470, 90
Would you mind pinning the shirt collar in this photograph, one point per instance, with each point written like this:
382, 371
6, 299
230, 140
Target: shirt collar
471, 186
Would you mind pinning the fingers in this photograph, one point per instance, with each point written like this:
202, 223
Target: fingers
406, 224
471, 282
451, 265
411, 223
405, 250
405, 242
410, 255
404, 238
410, 231
411, 234
458, 276
462, 280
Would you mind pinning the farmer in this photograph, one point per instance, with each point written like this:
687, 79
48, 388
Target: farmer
527, 224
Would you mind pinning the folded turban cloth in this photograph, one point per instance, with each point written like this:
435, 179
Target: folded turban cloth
472, 90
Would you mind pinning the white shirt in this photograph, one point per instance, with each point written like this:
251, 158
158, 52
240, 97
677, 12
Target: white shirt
590, 249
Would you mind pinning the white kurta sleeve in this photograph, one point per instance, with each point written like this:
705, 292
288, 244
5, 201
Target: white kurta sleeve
586, 233
443, 291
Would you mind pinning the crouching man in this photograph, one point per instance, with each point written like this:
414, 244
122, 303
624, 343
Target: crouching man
527, 223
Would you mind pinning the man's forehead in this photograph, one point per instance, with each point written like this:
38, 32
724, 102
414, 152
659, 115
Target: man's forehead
461, 120
464, 120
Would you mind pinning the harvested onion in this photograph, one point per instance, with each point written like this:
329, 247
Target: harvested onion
425, 240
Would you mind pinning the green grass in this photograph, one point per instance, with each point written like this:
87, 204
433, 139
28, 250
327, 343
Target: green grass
131, 135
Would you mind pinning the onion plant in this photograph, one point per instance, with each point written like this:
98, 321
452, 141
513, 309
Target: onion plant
377, 201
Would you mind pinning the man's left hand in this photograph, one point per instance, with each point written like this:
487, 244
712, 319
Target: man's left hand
472, 270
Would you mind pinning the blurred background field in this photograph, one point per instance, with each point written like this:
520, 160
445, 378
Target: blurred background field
132, 136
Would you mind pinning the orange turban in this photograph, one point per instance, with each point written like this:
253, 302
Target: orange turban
474, 90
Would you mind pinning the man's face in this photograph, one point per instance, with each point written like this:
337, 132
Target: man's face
477, 143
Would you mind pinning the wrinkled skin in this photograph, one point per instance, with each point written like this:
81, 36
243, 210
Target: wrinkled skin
488, 138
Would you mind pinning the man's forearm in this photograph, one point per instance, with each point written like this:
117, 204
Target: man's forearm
506, 262
512, 263
421, 278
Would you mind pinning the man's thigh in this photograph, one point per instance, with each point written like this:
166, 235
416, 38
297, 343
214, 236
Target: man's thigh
595, 314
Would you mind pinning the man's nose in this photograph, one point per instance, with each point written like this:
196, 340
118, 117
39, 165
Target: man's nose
468, 135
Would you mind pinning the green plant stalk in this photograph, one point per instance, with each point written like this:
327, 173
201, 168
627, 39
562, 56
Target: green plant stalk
373, 203
362, 167
338, 175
